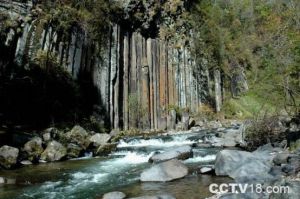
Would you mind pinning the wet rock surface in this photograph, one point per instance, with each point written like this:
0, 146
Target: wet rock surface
114, 195
166, 171
8, 156
181, 153
55, 151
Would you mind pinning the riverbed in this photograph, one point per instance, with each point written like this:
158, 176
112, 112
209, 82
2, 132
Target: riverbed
91, 177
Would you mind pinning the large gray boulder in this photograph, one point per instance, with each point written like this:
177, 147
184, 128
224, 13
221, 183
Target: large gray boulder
73, 150
114, 195
99, 139
243, 166
181, 153
289, 189
55, 151
50, 133
8, 156
166, 171
106, 149
79, 136
34, 148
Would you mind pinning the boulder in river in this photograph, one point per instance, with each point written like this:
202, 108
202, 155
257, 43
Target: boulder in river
26, 162
243, 166
114, 195
99, 139
8, 156
73, 150
105, 149
182, 153
55, 151
79, 136
34, 148
206, 169
165, 171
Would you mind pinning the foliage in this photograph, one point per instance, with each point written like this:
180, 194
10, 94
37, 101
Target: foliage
92, 124
206, 112
263, 130
260, 37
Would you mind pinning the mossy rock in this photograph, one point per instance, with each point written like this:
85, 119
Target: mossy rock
105, 149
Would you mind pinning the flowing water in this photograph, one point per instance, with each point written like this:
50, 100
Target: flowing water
92, 177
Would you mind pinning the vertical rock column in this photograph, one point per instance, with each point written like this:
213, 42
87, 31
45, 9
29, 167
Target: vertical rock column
126, 81
218, 89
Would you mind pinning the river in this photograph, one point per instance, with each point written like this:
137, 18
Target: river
90, 178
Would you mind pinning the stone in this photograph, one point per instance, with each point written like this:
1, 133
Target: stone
34, 149
114, 195
214, 124
8, 156
185, 119
291, 193
181, 153
171, 120
99, 139
26, 162
180, 126
281, 158
73, 150
206, 170
243, 166
162, 123
105, 149
288, 169
49, 133
46, 137
55, 151
164, 172
79, 136
2, 180
114, 132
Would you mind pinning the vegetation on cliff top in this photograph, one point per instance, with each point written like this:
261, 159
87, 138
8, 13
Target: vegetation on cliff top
259, 38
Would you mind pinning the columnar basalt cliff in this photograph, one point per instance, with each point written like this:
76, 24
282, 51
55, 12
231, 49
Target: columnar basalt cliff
138, 78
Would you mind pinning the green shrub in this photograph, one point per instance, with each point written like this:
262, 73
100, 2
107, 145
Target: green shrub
261, 131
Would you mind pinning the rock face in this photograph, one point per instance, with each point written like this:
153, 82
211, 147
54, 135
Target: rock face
132, 67
8, 156
55, 151
171, 120
243, 166
181, 153
114, 195
99, 139
166, 171
185, 119
34, 148
79, 136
